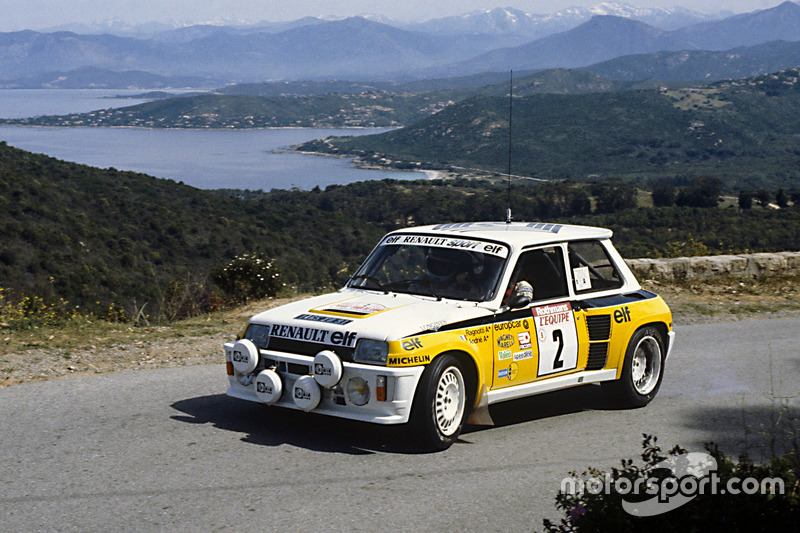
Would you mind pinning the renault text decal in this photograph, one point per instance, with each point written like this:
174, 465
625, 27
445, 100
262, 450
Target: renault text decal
320, 336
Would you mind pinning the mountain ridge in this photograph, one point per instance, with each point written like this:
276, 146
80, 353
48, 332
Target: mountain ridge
362, 49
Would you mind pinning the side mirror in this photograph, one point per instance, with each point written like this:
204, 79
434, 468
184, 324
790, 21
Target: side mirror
522, 295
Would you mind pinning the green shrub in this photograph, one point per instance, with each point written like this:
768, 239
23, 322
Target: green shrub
248, 277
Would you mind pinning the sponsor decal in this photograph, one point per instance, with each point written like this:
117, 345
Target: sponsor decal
301, 394
324, 319
447, 242
512, 324
240, 357
622, 315
551, 315
505, 341
411, 344
524, 339
433, 326
357, 308
509, 373
519, 356
409, 360
263, 388
322, 370
504, 354
319, 336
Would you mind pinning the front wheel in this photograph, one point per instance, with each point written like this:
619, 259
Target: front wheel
439, 404
642, 370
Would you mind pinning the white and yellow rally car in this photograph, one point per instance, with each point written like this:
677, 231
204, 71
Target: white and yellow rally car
442, 321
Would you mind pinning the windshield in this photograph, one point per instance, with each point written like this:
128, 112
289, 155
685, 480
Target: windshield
441, 267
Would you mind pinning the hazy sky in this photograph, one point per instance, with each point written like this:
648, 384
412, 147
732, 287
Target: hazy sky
37, 14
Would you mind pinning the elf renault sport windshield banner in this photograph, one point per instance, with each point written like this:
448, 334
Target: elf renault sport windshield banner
447, 242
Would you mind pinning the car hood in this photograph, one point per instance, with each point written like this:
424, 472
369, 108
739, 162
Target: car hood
365, 314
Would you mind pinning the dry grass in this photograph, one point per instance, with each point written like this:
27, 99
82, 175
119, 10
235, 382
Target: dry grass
99, 347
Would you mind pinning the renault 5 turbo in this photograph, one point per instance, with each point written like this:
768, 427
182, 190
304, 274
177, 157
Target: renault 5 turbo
442, 321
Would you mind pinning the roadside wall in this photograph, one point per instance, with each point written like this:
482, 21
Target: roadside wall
752, 266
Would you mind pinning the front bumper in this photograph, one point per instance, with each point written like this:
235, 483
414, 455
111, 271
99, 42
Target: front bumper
400, 386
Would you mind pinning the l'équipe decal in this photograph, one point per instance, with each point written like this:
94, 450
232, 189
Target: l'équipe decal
556, 337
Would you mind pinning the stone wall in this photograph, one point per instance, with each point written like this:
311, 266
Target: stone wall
698, 268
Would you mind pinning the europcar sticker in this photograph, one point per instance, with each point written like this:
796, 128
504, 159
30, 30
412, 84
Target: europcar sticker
556, 337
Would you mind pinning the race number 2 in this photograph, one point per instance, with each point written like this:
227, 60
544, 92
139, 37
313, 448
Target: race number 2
556, 337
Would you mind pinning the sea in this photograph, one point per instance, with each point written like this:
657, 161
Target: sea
208, 159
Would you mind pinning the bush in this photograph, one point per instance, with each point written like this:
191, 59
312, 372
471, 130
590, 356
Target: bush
248, 277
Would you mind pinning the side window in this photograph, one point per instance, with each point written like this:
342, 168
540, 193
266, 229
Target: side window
592, 268
544, 269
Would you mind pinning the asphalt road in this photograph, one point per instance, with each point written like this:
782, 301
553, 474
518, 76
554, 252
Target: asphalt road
166, 450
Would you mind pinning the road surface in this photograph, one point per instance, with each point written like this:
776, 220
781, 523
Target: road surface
166, 450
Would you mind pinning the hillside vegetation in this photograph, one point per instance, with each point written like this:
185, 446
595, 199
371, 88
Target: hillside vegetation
97, 237
327, 104
743, 132
100, 236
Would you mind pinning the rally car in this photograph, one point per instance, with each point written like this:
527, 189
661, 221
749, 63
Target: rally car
441, 321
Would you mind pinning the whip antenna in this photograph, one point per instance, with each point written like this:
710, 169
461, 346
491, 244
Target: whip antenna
510, 107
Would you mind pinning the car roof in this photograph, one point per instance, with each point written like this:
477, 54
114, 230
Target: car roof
516, 234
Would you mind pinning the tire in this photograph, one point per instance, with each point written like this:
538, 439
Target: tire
440, 404
642, 370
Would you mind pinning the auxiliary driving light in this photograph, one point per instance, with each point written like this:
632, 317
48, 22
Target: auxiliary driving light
358, 391
327, 369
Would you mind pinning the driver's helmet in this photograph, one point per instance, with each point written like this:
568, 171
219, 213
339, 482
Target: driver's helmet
443, 263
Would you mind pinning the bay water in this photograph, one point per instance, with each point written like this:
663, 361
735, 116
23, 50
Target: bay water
207, 159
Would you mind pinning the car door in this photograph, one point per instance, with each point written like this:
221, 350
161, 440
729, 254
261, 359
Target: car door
540, 340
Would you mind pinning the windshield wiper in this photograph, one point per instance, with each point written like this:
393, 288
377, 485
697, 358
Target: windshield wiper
371, 279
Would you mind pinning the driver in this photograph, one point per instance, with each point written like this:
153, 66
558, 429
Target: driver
453, 273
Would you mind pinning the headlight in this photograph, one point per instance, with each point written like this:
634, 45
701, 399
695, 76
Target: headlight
358, 391
371, 352
259, 334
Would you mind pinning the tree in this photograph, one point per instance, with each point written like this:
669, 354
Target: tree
762, 197
781, 199
745, 200
613, 195
702, 192
663, 194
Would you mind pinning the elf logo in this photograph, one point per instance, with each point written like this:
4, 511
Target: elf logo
622, 315
412, 344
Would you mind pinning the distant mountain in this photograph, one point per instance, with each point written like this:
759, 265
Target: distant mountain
606, 37
702, 65
360, 49
782, 22
528, 26
600, 39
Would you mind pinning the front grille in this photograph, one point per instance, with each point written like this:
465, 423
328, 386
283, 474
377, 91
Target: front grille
308, 348
598, 352
300, 370
599, 327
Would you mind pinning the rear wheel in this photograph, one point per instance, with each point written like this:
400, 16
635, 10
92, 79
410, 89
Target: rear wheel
439, 404
642, 370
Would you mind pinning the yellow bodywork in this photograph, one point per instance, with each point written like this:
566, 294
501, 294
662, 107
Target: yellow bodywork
515, 348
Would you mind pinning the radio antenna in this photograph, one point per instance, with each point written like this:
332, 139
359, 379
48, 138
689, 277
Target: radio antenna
510, 108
